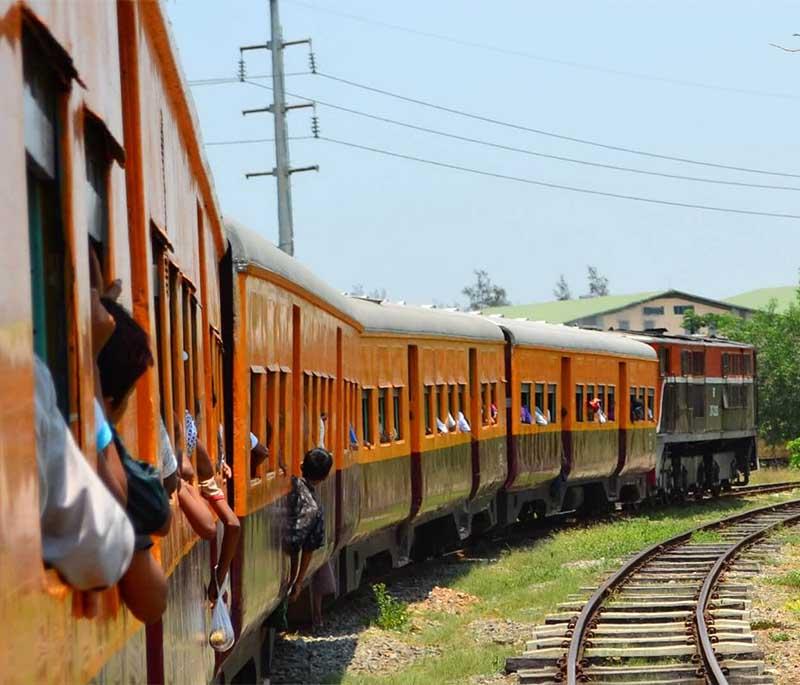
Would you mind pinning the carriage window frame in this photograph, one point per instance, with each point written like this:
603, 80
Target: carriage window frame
398, 402
611, 399
366, 417
590, 414
539, 391
552, 403
579, 400
383, 424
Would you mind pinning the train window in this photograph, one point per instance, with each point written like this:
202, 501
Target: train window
643, 400
366, 416
257, 412
552, 403
284, 438
308, 389
397, 406
441, 402
651, 404
484, 404
697, 398
462, 402
494, 411
538, 398
525, 403
383, 428
427, 401
663, 361
601, 395
698, 363
270, 435
634, 404
686, 363
451, 400
45, 229
589, 398
579, 403
611, 404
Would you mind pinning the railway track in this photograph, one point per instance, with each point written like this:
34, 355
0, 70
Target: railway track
675, 613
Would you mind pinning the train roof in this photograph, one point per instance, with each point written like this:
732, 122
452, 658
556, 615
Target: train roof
560, 337
385, 317
676, 339
249, 247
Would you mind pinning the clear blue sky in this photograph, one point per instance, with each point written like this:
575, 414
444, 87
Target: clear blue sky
419, 231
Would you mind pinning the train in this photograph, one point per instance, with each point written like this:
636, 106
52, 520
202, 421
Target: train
442, 424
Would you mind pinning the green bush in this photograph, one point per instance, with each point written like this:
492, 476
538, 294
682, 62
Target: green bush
392, 613
794, 453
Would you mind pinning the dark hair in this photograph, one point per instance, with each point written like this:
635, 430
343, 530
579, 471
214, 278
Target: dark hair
317, 464
126, 355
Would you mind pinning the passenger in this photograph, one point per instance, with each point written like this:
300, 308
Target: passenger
168, 462
353, 438
190, 500
213, 494
539, 416
451, 423
526, 415
323, 421
463, 424
637, 410
258, 454
86, 534
109, 466
440, 426
121, 362
307, 531
493, 414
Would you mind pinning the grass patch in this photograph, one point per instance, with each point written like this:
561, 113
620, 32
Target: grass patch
789, 579
533, 574
780, 637
781, 475
707, 537
392, 613
765, 624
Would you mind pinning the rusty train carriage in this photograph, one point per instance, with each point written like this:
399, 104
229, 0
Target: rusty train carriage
288, 334
101, 143
558, 370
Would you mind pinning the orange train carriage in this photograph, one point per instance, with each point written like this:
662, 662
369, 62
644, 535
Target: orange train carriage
101, 144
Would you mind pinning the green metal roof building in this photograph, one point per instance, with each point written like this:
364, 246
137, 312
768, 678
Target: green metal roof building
636, 312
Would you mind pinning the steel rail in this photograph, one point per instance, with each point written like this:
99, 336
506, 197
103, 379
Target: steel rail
714, 671
589, 611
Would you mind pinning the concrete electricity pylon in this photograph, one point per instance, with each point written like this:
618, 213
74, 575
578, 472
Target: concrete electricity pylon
282, 170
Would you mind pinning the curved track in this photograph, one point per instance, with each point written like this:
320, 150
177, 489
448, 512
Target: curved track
675, 613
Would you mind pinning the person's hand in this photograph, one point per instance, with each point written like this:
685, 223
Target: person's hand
114, 290
226, 470
212, 591
295, 592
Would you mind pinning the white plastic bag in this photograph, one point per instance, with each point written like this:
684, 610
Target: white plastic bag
222, 636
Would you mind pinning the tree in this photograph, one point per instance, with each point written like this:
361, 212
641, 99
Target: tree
598, 285
776, 337
562, 291
483, 293
358, 290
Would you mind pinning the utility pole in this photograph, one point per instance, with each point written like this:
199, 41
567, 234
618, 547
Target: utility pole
282, 170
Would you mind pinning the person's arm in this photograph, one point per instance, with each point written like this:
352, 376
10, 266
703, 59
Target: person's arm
258, 455
305, 560
197, 512
143, 588
230, 541
86, 534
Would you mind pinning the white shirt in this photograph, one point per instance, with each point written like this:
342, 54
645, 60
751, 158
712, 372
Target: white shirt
321, 441
86, 534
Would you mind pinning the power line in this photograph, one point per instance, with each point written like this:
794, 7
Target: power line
551, 134
534, 153
548, 60
253, 140
233, 79
558, 186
